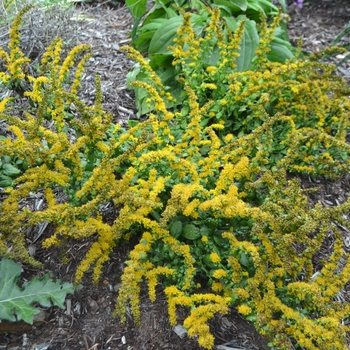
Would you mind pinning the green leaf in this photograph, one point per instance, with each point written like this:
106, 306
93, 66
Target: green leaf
18, 301
176, 229
341, 35
164, 36
205, 231
249, 44
234, 5
191, 232
5, 181
261, 5
10, 170
231, 23
137, 8
133, 123
243, 259
279, 51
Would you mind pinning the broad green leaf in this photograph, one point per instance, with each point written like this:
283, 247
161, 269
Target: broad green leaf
191, 232
133, 123
5, 181
160, 60
19, 301
243, 259
164, 36
10, 170
225, 11
268, 3
242, 4
176, 229
153, 15
221, 242
153, 26
279, 51
205, 231
261, 5
281, 32
137, 8
249, 44
231, 23
234, 6
131, 76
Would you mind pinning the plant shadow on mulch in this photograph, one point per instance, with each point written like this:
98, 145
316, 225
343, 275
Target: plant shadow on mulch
87, 322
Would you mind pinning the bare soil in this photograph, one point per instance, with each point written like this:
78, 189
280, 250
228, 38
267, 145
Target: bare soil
87, 322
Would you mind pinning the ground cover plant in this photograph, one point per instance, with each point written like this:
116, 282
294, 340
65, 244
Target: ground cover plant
219, 219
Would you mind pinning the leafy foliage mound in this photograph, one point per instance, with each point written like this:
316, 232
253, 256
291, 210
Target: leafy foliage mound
203, 186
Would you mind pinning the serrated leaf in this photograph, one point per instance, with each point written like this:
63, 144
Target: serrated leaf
16, 303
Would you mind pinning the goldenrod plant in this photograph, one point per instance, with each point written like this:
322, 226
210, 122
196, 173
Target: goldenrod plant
219, 220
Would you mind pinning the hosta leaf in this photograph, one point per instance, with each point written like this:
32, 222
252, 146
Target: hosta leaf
16, 302
249, 43
279, 51
137, 7
234, 6
164, 36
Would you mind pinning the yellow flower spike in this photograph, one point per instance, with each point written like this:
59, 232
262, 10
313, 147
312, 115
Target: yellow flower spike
136, 56
69, 61
4, 102
52, 54
79, 73
15, 34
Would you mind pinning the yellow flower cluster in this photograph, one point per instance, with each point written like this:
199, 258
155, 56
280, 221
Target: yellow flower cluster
209, 305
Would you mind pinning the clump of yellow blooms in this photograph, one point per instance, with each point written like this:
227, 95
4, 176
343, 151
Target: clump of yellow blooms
198, 199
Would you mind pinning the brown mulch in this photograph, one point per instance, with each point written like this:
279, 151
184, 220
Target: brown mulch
87, 322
